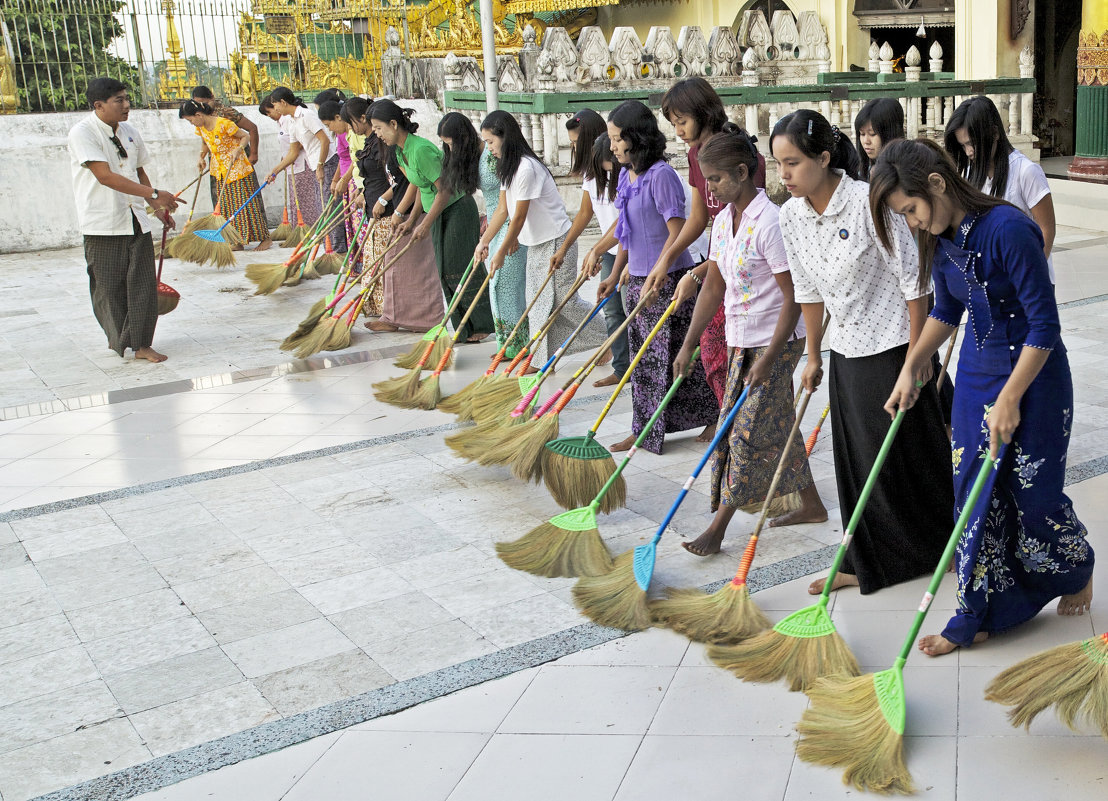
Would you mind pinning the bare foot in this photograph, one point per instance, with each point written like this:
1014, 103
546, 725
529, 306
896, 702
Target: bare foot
607, 381
265, 244
150, 355
811, 510
707, 434
623, 445
937, 644
1078, 603
841, 580
475, 338
237, 247
706, 544
381, 327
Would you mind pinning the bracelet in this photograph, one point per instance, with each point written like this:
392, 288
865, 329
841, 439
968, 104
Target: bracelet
697, 278
382, 201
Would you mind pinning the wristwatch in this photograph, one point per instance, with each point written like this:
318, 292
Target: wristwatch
153, 194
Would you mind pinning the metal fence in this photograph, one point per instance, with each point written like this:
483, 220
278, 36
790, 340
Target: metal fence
49, 49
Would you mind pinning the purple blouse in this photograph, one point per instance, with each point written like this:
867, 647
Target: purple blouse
645, 206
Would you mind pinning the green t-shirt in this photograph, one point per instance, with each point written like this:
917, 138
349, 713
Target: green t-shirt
422, 163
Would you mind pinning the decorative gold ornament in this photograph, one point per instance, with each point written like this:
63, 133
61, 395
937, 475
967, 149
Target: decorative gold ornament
1092, 58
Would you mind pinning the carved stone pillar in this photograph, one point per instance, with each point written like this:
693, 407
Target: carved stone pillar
1091, 159
1027, 99
912, 72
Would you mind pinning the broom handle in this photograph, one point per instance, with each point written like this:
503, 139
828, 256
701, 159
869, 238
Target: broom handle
161, 255
219, 197
946, 359
376, 276
527, 352
860, 505
630, 368
822, 334
458, 330
345, 266
195, 180
721, 432
646, 430
456, 299
948, 555
752, 544
296, 198
811, 442
257, 192
499, 357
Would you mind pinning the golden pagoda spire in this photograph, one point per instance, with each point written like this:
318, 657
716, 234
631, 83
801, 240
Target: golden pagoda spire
175, 77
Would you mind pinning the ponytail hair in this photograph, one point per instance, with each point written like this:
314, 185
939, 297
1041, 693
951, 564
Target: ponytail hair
330, 110
907, 166
461, 158
605, 181
729, 150
388, 111
813, 135
355, 108
190, 108
282, 94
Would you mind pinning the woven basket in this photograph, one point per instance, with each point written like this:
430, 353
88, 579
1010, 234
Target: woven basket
168, 298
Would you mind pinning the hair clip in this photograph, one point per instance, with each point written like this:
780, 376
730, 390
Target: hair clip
810, 127
836, 133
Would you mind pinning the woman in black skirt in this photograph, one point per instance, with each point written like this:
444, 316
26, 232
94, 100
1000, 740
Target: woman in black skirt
877, 309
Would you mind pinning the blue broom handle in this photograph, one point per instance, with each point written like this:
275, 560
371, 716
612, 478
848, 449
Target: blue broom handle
721, 432
243, 206
564, 345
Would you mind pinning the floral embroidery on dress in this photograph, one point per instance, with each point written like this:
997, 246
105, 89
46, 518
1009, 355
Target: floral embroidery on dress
1067, 418
956, 458
742, 273
1025, 469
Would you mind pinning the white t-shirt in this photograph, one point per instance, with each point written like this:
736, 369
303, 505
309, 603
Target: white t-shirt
1026, 187
604, 209
547, 218
102, 211
302, 127
285, 139
699, 248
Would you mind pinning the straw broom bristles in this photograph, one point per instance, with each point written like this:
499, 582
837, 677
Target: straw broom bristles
471, 443
314, 341
772, 656
398, 391
306, 326
328, 264
614, 599
577, 487
441, 344
1072, 678
460, 403
267, 278
725, 617
551, 551
495, 398
845, 727
428, 395
295, 237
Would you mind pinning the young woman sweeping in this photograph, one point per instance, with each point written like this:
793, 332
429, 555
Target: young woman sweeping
536, 217
307, 134
204, 94
591, 152
975, 139
411, 293
651, 204
299, 164
509, 286
330, 114
879, 122
223, 152
440, 197
748, 273
1024, 545
877, 309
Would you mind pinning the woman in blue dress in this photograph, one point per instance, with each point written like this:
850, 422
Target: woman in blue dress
1023, 545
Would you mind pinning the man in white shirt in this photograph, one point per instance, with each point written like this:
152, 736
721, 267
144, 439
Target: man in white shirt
107, 161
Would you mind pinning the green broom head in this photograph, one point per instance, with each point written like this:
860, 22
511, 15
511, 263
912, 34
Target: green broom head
429, 393
614, 599
801, 648
575, 469
398, 391
1072, 678
412, 357
727, 616
460, 403
313, 343
857, 723
568, 545
328, 264
295, 237
267, 278
527, 462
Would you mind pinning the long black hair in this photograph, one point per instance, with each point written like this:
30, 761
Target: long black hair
991, 147
329, 94
331, 110
460, 160
729, 150
639, 128
886, 116
356, 108
588, 125
513, 147
606, 182
694, 97
191, 108
201, 93
388, 111
812, 135
907, 166
284, 94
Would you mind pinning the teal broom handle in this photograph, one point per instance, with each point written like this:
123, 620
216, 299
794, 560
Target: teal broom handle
257, 192
646, 429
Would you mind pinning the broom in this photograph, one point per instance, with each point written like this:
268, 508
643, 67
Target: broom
858, 723
805, 645
574, 468
728, 615
185, 247
569, 544
168, 297
297, 233
216, 248
268, 277
169, 249
1072, 678
429, 393
810, 443
400, 391
618, 599
281, 232
312, 241
328, 333
432, 337
461, 402
330, 261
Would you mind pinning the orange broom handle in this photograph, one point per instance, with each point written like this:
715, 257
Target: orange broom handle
811, 441
528, 350
500, 353
748, 553
465, 319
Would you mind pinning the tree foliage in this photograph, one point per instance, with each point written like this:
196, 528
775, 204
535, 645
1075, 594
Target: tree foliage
59, 46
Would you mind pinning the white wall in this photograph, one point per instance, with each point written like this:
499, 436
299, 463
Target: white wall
37, 211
